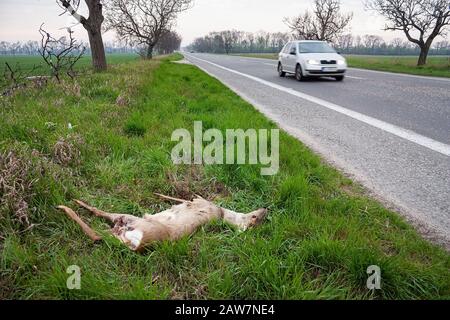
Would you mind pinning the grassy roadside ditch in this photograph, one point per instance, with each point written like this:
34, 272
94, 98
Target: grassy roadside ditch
322, 234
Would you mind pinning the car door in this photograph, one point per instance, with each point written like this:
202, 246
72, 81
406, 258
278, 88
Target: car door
284, 55
291, 60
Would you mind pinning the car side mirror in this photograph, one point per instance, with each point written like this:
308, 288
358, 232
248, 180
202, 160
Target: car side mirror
294, 53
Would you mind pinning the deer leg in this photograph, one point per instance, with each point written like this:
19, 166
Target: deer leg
171, 198
112, 217
84, 226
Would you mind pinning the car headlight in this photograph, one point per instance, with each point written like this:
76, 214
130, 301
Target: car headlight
341, 62
313, 62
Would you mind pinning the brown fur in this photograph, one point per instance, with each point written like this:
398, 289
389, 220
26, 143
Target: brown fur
173, 224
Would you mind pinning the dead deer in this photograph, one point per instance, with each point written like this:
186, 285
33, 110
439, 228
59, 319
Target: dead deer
179, 221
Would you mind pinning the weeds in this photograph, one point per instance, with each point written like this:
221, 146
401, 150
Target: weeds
194, 181
16, 186
66, 150
122, 101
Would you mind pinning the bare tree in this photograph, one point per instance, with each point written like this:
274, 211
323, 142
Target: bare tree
325, 23
61, 54
169, 42
344, 42
397, 43
442, 45
15, 78
421, 20
4, 47
93, 25
229, 40
143, 22
372, 41
303, 27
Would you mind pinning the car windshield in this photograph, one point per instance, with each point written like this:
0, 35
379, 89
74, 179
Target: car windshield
316, 47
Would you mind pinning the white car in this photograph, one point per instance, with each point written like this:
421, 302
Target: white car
309, 58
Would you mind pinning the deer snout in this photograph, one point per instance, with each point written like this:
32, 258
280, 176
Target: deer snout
258, 216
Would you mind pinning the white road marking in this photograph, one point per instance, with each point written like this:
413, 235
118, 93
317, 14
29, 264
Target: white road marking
403, 75
271, 64
387, 127
358, 78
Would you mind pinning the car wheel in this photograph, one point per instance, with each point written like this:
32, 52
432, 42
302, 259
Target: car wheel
298, 73
281, 73
339, 78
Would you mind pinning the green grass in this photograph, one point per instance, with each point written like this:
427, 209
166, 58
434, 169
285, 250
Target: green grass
322, 234
35, 66
436, 66
28, 62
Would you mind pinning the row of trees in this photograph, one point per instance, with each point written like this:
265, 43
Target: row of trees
139, 23
168, 43
31, 48
234, 41
422, 21
376, 45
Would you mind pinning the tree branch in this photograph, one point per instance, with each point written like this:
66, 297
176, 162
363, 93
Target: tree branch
69, 8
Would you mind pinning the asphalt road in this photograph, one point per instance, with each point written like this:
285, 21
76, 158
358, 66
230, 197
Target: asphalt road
390, 132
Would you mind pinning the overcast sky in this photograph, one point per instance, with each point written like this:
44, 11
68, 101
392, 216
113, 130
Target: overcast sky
20, 19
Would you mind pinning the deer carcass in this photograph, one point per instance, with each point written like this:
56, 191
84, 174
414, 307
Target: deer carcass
179, 221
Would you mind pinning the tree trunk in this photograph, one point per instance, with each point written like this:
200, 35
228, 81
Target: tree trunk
93, 25
97, 50
423, 55
149, 52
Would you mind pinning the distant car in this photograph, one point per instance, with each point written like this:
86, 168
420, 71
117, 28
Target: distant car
309, 58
